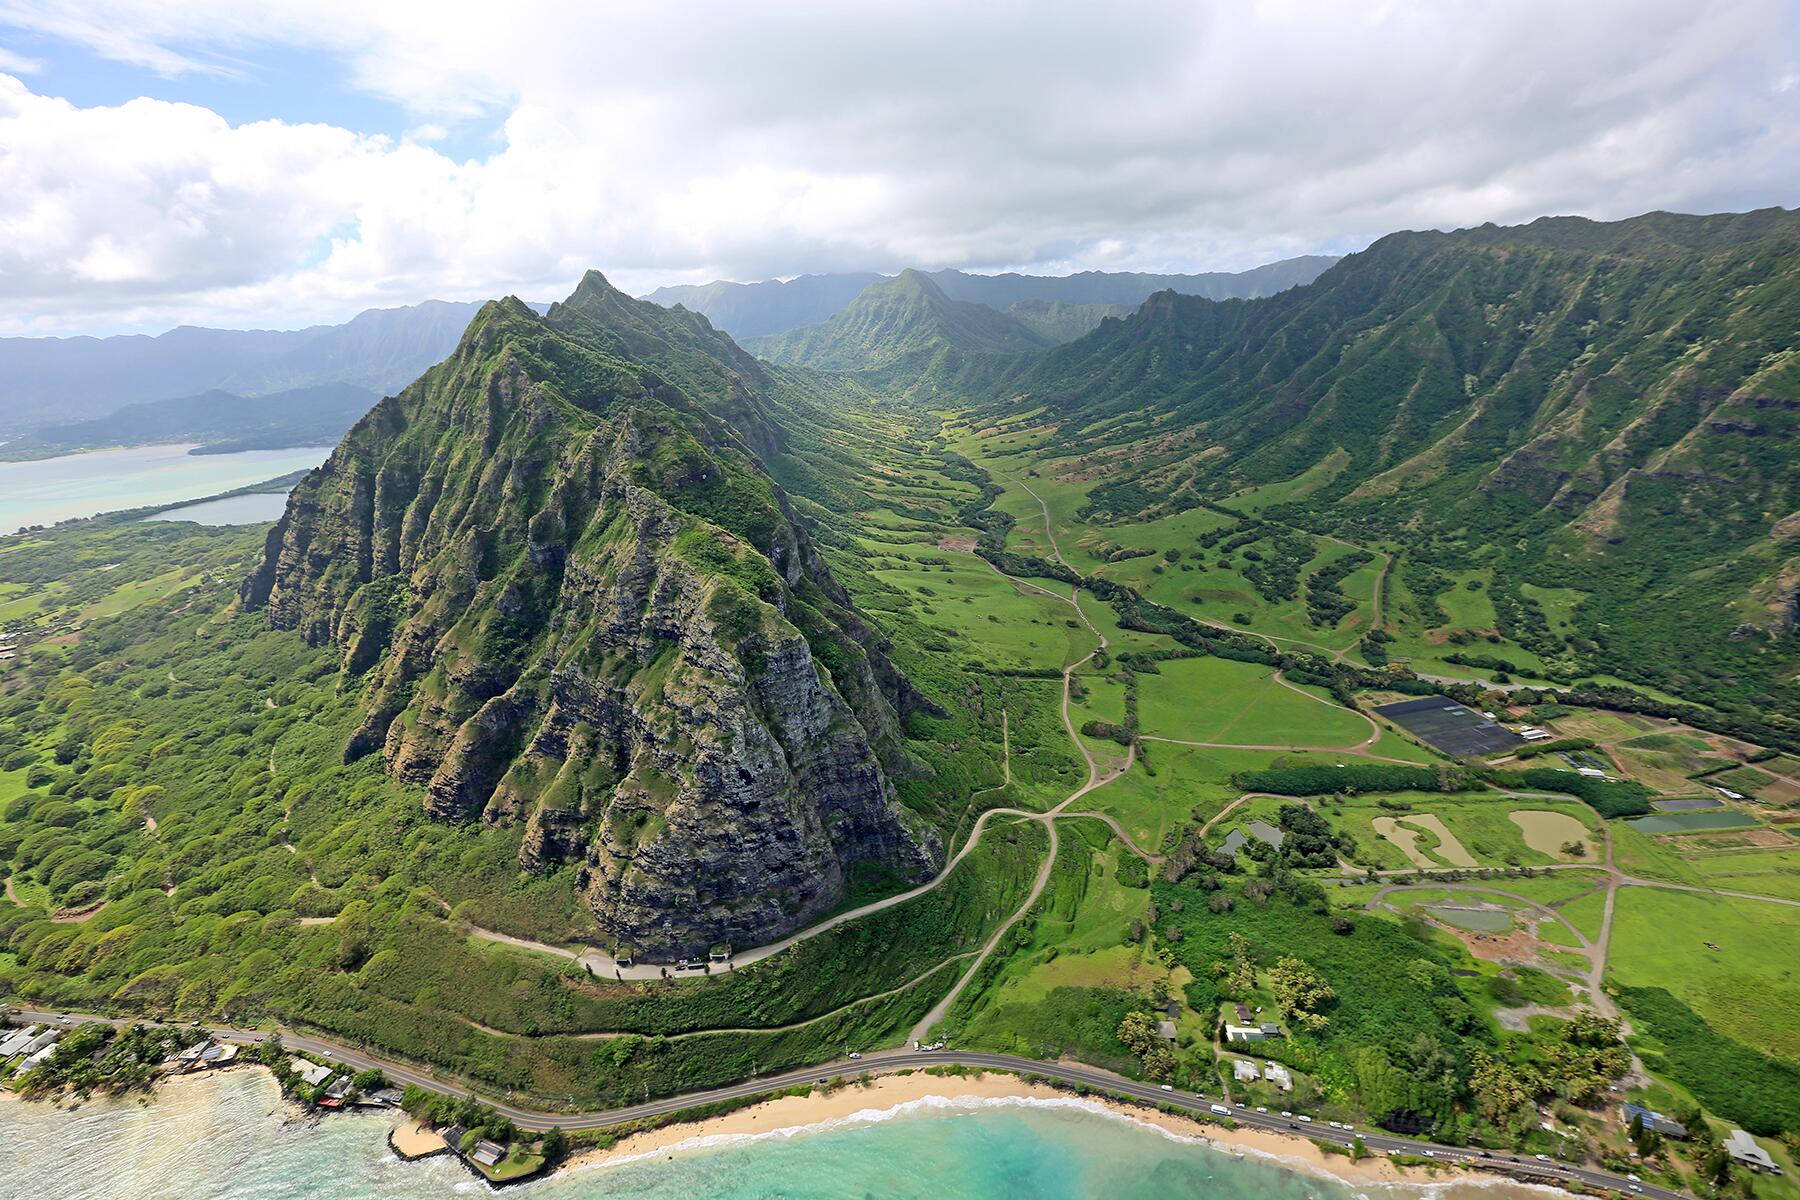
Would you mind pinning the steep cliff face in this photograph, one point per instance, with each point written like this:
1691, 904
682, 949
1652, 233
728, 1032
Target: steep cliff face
577, 600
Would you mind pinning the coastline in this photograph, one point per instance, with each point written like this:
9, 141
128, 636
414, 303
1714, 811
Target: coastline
886, 1096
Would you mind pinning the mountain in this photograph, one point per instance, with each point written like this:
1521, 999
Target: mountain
220, 421
575, 600
1130, 287
1610, 408
905, 332
748, 310
1056, 322
60, 380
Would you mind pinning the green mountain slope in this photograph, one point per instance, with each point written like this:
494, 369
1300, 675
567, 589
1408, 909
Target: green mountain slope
906, 334
1609, 408
575, 599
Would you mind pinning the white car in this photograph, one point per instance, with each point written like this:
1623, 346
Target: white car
1542, 1157
1261, 1109
1286, 1113
1634, 1179
1636, 1188
856, 1054
1305, 1118
1431, 1154
1167, 1088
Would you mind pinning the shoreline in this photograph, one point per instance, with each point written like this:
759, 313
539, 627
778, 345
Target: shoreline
887, 1096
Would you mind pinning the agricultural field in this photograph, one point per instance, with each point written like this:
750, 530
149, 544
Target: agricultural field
1218, 700
1730, 960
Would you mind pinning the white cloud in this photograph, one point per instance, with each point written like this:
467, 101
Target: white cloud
665, 142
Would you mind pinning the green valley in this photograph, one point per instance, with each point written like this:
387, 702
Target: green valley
619, 714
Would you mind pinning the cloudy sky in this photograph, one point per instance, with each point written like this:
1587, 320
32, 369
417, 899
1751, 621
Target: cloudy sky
277, 163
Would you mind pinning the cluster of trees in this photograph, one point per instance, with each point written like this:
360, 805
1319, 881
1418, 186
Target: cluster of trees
1758, 1091
1138, 1033
1301, 992
1326, 603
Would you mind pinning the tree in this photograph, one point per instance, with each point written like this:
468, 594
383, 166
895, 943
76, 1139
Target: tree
555, 1143
1301, 992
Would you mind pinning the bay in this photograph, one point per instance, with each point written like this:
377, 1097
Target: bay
48, 490
230, 1137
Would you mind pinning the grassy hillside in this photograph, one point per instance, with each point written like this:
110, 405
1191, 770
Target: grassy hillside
1598, 419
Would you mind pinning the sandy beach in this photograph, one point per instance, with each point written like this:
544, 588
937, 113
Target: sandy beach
885, 1093
411, 1140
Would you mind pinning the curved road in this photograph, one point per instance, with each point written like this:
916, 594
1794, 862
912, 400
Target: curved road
1069, 1074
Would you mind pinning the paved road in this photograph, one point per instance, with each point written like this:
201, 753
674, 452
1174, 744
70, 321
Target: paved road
885, 1061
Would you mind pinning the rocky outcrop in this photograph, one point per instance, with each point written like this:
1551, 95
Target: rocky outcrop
574, 599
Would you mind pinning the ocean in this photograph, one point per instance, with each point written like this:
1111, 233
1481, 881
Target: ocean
48, 490
230, 1136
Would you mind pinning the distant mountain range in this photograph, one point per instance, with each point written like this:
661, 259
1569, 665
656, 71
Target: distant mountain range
65, 380
220, 421
905, 333
748, 310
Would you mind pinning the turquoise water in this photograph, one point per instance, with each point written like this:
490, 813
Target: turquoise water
248, 509
83, 485
231, 1136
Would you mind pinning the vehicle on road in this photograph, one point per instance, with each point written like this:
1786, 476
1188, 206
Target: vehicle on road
1306, 1119
1261, 1109
856, 1054
1167, 1088
1221, 1110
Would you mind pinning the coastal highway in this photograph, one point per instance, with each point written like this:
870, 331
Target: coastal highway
885, 1061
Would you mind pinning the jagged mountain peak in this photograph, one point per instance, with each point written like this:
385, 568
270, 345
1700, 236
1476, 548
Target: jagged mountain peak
573, 598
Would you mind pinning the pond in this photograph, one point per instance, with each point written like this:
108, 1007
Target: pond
1691, 822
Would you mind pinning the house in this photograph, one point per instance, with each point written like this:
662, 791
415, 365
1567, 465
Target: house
1278, 1075
1244, 1033
387, 1097
1243, 1014
310, 1073
1244, 1071
1270, 1029
1653, 1121
1743, 1149
218, 1056
1165, 1029
15, 1042
1729, 794
40, 1054
1591, 772
453, 1138
337, 1089
41, 1040
488, 1153
191, 1056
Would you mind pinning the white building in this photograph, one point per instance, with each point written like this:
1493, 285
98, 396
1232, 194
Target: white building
14, 1042
310, 1072
1244, 1071
1278, 1075
1743, 1148
1244, 1033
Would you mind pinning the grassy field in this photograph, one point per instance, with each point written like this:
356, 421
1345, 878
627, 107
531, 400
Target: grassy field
1748, 988
1218, 700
